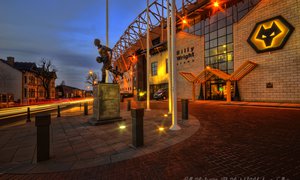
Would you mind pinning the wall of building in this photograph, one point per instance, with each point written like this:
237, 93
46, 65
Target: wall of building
30, 85
280, 67
52, 89
162, 76
34, 84
194, 64
10, 81
126, 83
185, 44
63, 91
140, 77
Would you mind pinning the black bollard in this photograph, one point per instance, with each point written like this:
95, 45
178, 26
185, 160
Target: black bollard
128, 105
137, 127
28, 115
185, 108
42, 122
86, 110
58, 111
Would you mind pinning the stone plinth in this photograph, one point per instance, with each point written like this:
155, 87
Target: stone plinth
106, 107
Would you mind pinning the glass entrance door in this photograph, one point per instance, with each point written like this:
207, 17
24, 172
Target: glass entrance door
217, 91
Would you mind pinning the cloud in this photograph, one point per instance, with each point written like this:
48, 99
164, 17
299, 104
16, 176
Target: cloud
62, 31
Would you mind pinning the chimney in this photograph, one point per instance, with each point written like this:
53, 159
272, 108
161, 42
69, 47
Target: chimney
11, 61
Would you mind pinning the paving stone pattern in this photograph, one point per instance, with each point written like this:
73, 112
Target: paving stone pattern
232, 142
76, 144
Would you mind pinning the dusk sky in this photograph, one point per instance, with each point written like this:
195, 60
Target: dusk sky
62, 31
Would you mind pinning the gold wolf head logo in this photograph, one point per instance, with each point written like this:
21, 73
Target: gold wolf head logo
267, 35
270, 35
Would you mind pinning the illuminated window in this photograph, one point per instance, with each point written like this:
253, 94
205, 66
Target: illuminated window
154, 68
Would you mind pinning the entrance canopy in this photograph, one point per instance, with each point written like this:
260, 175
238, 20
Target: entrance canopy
209, 72
242, 71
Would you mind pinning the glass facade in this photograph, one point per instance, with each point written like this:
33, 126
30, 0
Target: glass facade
237, 12
218, 35
219, 41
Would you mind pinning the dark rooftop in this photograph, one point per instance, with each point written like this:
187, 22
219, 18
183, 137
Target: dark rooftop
21, 66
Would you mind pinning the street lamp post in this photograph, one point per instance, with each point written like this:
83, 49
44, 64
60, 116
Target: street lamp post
169, 57
148, 57
107, 38
174, 70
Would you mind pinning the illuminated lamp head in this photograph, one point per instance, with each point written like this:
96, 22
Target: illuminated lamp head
216, 4
122, 127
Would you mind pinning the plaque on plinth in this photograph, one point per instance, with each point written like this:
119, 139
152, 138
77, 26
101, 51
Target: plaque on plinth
106, 107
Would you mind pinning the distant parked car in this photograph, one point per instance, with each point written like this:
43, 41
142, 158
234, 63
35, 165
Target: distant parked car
126, 94
161, 94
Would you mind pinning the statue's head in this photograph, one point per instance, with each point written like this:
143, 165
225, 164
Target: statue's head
97, 42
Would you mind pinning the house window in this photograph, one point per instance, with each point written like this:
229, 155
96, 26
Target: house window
41, 93
156, 41
31, 80
154, 68
25, 92
25, 79
31, 93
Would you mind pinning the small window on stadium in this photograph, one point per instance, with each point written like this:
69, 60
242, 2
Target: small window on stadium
154, 68
156, 41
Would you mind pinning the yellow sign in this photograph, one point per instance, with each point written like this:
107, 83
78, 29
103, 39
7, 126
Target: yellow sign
270, 35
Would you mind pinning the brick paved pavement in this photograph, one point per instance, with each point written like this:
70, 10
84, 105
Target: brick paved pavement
75, 144
233, 141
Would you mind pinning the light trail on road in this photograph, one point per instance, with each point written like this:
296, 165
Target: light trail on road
21, 111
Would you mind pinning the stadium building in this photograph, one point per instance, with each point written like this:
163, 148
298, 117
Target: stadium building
246, 50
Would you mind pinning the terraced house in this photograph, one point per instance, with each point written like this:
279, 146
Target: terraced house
20, 83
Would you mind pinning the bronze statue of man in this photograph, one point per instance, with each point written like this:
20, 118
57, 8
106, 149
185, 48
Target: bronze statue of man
105, 58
